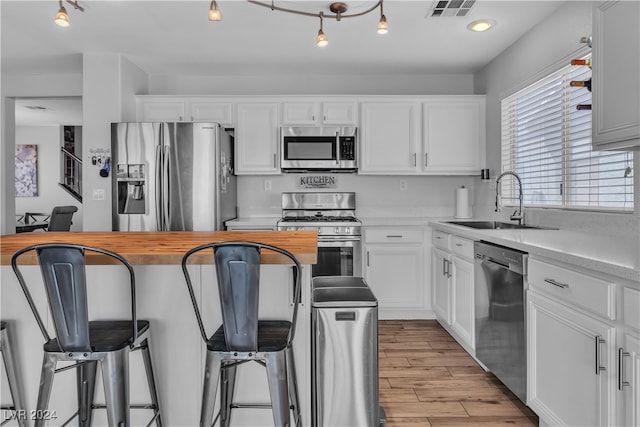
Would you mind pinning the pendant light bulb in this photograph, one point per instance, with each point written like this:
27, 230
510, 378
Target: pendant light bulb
383, 28
62, 19
214, 12
322, 39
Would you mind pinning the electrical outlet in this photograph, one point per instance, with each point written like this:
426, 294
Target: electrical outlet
267, 185
403, 185
98, 194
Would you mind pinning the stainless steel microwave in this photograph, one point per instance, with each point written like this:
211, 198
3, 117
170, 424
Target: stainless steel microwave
319, 148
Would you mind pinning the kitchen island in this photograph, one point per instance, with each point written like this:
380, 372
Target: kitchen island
162, 298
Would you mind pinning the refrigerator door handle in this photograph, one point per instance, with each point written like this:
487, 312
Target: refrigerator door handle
157, 185
165, 189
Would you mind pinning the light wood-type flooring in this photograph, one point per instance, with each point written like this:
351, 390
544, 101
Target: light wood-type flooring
427, 379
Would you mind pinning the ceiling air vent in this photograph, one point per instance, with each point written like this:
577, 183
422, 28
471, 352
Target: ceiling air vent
452, 8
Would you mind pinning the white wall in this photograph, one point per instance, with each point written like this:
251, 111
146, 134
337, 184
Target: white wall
545, 48
430, 196
282, 84
48, 140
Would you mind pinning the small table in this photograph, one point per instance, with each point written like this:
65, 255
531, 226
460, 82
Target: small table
29, 222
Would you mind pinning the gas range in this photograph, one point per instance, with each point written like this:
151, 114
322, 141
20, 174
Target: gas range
332, 215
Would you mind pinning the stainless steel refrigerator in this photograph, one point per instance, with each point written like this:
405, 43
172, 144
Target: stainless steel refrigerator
172, 177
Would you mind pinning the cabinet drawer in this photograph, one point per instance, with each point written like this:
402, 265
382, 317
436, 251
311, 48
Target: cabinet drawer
441, 239
461, 246
631, 302
394, 235
591, 293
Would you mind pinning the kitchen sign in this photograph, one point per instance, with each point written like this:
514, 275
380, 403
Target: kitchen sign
317, 181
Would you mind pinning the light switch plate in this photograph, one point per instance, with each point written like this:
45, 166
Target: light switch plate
403, 185
98, 194
267, 185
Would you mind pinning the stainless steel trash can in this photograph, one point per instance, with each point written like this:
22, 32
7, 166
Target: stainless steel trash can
344, 353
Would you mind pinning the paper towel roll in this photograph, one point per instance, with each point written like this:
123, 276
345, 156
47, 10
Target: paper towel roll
462, 203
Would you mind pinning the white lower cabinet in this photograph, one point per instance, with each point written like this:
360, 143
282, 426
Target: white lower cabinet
395, 268
571, 365
452, 279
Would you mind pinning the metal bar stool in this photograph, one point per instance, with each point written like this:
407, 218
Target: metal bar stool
87, 342
243, 337
15, 386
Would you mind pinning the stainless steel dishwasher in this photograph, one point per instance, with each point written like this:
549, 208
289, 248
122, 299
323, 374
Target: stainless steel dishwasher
500, 314
344, 353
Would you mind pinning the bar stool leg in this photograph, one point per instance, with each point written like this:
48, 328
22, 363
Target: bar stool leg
86, 384
115, 376
277, 378
293, 386
151, 380
210, 388
46, 383
15, 386
226, 393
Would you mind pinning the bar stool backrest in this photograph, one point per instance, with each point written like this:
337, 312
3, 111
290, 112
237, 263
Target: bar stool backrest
64, 277
238, 274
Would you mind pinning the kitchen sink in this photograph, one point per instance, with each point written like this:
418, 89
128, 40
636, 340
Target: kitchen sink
497, 225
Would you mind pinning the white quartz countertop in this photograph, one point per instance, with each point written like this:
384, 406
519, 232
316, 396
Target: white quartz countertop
618, 257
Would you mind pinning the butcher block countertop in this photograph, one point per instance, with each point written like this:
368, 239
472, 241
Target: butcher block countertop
165, 247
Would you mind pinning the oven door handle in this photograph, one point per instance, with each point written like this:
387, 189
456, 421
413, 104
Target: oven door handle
339, 242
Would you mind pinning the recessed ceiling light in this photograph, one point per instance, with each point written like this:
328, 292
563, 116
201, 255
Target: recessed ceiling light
481, 25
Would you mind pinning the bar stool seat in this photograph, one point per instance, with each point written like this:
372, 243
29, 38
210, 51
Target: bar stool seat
89, 344
106, 335
13, 379
243, 337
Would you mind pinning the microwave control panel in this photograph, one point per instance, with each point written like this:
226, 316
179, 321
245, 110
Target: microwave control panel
347, 148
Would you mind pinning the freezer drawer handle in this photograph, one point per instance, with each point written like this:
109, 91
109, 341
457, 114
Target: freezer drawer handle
345, 316
558, 284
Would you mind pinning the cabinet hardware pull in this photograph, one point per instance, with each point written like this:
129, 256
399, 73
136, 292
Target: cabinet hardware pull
367, 258
599, 340
426, 163
444, 266
394, 235
621, 382
274, 160
458, 244
558, 284
414, 159
180, 118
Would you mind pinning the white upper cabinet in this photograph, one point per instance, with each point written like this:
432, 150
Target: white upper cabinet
389, 137
616, 76
162, 110
257, 138
453, 135
185, 110
317, 113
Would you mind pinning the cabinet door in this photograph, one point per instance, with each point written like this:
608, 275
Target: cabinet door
629, 380
163, 111
440, 270
300, 113
616, 67
453, 136
389, 137
463, 303
396, 275
216, 112
257, 139
570, 371
339, 113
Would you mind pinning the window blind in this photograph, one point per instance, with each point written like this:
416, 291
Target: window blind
546, 140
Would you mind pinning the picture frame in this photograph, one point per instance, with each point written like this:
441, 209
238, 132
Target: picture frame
26, 170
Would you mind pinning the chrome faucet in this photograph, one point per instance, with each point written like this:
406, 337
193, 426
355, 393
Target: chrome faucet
517, 215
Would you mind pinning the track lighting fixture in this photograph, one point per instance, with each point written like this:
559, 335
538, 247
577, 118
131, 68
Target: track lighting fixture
62, 18
214, 12
321, 40
383, 28
338, 12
